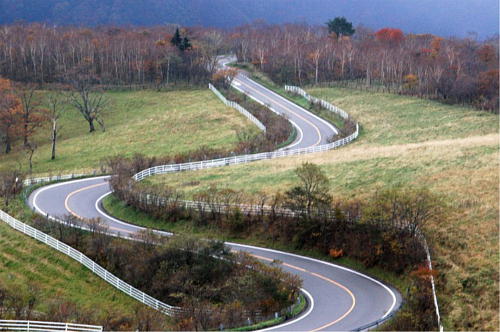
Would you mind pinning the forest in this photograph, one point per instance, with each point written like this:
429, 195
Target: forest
452, 70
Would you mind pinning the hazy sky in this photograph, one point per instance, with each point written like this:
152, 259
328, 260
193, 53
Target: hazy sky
441, 17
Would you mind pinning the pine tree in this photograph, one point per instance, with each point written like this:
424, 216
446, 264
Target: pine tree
185, 44
176, 39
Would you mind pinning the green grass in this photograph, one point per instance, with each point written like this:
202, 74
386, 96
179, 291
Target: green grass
120, 210
56, 277
148, 122
409, 141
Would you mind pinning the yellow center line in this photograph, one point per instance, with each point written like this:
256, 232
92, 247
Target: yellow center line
347, 290
66, 205
288, 109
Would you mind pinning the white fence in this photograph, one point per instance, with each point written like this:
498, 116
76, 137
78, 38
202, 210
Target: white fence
237, 107
31, 181
90, 264
314, 100
163, 169
27, 325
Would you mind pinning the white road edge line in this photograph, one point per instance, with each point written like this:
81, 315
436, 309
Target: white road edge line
295, 105
311, 307
390, 291
100, 211
301, 136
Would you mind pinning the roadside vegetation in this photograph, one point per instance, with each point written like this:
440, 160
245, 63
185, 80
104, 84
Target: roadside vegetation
38, 283
150, 122
405, 141
213, 285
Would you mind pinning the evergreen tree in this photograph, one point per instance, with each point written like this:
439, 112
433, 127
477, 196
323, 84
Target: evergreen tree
176, 39
341, 26
185, 44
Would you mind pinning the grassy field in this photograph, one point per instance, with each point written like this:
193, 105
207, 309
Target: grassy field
26, 264
147, 122
408, 141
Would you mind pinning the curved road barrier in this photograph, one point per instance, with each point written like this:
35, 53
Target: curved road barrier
237, 107
31, 325
340, 298
90, 264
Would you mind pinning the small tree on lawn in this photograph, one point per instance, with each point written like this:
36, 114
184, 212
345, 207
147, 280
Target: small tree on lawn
313, 191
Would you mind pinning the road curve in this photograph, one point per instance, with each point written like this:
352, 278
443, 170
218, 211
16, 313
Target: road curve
340, 298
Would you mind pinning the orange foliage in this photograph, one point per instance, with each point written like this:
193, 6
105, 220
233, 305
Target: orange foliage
436, 45
336, 253
423, 272
11, 112
411, 81
390, 35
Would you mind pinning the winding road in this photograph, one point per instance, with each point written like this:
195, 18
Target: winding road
339, 298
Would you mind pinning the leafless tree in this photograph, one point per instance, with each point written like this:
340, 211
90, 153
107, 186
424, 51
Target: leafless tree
55, 101
89, 102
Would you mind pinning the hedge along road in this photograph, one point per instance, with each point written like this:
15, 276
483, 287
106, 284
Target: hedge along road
339, 298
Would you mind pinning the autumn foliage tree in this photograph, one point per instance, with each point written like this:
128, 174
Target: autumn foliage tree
390, 35
11, 114
33, 115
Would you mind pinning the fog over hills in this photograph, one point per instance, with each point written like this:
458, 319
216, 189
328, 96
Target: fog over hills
442, 17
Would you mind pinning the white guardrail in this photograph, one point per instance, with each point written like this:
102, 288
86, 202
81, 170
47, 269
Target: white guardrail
32, 181
237, 107
90, 264
141, 296
30, 325
163, 169
314, 100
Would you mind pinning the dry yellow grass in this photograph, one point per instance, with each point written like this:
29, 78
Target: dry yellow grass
407, 141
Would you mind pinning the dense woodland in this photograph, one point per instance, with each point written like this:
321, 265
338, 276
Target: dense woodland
448, 69
452, 70
37, 53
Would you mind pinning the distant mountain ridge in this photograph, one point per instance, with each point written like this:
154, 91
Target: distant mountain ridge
441, 17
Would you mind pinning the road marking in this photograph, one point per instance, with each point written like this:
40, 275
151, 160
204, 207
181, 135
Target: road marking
301, 134
289, 110
390, 291
328, 124
252, 247
66, 206
317, 275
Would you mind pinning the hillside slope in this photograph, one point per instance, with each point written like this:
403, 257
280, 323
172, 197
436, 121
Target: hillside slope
407, 141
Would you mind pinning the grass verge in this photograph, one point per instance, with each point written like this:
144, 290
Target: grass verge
55, 279
408, 141
120, 210
149, 122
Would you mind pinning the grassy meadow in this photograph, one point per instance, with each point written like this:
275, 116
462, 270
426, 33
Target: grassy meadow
34, 269
148, 122
407, 141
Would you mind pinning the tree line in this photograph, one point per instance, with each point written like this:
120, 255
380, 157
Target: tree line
452, 70
161, 55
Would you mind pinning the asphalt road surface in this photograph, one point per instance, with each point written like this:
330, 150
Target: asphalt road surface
339, 298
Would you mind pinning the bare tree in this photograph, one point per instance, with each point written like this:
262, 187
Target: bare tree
55, 102
33, 115
90, 103
30, 148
